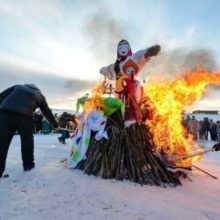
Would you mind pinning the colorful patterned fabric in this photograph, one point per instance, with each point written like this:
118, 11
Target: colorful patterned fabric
95, 121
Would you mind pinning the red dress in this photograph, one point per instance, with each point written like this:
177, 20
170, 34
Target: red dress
132, 110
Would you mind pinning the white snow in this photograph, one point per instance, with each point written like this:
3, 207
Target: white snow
51, 191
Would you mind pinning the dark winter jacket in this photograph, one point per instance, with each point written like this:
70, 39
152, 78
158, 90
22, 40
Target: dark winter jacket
214, 128
206, 125
24, 99
63, 120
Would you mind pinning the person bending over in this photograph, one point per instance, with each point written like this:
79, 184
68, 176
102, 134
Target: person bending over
17, 107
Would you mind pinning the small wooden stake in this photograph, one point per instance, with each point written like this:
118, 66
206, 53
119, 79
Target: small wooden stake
214, 177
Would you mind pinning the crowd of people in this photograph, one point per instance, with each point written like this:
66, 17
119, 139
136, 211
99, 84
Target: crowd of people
206, 129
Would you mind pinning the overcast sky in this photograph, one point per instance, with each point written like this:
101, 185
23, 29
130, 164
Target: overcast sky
60, 45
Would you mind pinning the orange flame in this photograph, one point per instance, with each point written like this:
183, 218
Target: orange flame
170, 99
96, 100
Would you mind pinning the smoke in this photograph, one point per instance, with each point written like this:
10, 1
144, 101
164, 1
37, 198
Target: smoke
158, 66
170, 64
103, 32
203, 57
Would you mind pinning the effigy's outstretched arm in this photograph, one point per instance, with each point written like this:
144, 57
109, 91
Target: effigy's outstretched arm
108, 72
152, 51
141, 57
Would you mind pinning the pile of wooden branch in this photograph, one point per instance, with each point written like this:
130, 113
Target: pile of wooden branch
126, 154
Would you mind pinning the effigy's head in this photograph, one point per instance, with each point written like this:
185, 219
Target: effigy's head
130, 68
123, 49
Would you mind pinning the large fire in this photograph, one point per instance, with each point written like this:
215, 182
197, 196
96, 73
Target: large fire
170, 99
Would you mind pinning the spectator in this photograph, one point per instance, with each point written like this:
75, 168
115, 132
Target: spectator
214, 131
206, 127
194, 127
218, 124
46, 129
17, 107
63, 123
201, 131
210, 125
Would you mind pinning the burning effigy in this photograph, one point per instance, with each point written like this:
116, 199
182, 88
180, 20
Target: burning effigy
137, 134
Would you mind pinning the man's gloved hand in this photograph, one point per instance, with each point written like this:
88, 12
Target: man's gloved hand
216, 147
152, 51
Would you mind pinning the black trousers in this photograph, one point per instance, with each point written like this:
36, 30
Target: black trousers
11, 122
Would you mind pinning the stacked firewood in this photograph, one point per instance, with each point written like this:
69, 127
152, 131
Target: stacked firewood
126, 154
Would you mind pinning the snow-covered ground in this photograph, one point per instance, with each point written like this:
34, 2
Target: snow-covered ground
51, 191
